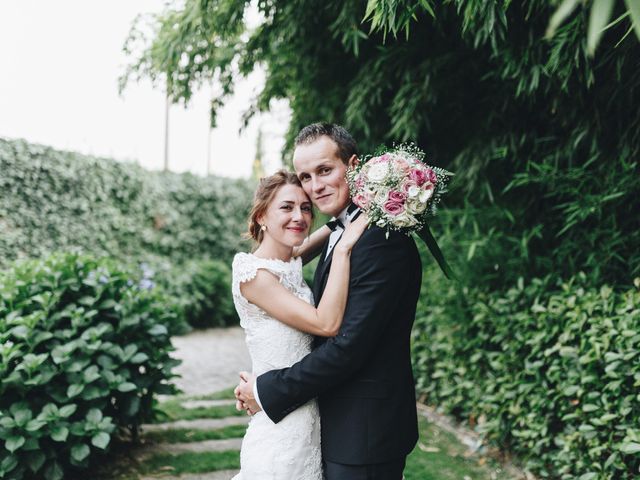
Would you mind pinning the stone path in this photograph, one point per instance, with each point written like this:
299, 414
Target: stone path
211, 360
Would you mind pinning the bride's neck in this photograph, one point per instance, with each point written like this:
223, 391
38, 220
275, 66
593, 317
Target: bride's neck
270, 249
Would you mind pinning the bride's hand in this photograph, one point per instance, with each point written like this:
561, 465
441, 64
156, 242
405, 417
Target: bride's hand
353, 232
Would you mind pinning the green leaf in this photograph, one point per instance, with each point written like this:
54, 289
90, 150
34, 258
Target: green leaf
629, 447
588, 476
110, 303
34, 425
158, 329
600, 14
126, 387
139, 357
35, 460
14, 442
53, 471
94, 415
68, 410
562, 12
74, 390
634, 9
101, 440
59, 433
79, 452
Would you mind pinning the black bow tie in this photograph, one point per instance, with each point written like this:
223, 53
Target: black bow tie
335, 224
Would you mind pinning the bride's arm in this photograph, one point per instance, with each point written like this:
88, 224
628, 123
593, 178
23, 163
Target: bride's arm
266, 292
313, 245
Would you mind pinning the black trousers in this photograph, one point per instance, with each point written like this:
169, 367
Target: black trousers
377, 471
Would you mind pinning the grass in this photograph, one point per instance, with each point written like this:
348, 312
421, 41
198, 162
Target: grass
176, 464
188, 435
439, 456
172, 410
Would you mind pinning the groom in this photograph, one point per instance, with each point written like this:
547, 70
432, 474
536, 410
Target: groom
362, 376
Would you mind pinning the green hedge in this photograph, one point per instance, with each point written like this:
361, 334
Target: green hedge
200, 289
52, 201
83, 349
547, 370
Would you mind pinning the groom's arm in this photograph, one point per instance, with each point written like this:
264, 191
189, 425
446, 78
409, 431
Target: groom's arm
379, 274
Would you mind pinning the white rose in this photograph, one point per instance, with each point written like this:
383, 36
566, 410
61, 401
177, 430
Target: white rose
377, 172
414, 191
425, 195
404, 220
416, 207
381, 196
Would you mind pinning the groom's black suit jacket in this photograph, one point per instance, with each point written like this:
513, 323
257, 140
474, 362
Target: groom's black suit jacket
362, 376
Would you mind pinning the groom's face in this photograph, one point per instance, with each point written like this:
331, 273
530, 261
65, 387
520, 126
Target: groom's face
323, 175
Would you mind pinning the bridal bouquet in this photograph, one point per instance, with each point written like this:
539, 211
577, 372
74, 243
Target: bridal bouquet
398, 191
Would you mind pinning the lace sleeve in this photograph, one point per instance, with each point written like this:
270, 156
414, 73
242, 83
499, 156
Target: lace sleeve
246, 266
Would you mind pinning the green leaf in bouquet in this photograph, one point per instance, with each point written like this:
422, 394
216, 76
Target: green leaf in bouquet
101, 440
79, 452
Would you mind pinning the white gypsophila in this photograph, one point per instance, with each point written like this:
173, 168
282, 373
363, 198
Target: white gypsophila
377, 172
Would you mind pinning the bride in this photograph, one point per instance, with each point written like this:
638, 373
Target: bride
277, 312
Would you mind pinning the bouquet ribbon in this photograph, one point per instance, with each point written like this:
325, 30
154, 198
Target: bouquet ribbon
432, 245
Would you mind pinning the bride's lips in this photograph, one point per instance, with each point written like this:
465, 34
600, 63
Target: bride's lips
297, 229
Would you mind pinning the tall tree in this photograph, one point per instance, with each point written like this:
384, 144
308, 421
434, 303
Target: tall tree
542, 134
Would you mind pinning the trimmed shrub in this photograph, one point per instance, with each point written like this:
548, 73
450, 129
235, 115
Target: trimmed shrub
54, 201
201, 290
548, 370
83, 349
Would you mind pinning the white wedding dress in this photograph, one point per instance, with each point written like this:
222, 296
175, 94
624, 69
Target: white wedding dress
290, 449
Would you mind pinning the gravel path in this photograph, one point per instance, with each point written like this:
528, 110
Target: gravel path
211, 359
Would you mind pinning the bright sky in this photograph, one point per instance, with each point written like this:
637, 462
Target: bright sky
60, 62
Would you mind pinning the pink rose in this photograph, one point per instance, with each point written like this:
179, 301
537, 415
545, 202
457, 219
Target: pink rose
393, 208
396, 196
419, 176
361, 200
406, 185
431, 176
360, 182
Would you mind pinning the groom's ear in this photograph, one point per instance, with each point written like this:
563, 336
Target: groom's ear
353, 161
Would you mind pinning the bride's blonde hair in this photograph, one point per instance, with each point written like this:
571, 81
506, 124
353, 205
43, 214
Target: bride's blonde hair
267, 189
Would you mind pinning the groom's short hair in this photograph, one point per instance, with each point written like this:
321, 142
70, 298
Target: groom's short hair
346, 144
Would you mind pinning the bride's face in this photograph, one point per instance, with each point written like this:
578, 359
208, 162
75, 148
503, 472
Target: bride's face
288, 216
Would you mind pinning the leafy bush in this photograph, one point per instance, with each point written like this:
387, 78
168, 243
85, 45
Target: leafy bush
52, 201
83, 349
547, 370
201, 289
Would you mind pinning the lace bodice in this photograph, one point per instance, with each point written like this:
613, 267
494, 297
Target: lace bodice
290, 449
271, 343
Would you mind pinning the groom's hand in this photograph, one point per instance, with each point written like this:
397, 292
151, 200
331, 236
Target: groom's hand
244, 394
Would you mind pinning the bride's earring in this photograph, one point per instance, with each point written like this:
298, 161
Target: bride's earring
263, 228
